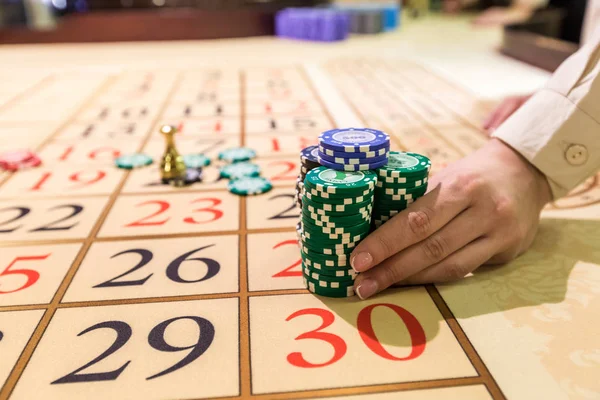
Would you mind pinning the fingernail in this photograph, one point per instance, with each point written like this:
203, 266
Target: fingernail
366, 288
361, 261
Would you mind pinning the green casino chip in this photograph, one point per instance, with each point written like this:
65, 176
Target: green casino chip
345, 209
310, 208
339, 272
405, 185
237, 154
240, 170
342, 182
196, 160
330, 239
401, 164
320, 261
344, 223
313, 252
327, 267
130, 161
325, 292
249, 186
328, 278
315, 196
335, 251
329, 289
308, 226
341, 220
392, 191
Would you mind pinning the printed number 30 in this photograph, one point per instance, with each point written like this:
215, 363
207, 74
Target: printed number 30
367, 334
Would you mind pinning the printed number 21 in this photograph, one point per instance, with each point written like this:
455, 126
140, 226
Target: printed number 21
367, 334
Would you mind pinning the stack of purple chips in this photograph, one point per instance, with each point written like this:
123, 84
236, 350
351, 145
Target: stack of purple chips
353, 149
325, 25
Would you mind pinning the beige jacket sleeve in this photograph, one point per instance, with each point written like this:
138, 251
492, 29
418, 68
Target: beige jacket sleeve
558, 129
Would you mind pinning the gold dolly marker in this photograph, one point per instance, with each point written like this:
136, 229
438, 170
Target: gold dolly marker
172, 167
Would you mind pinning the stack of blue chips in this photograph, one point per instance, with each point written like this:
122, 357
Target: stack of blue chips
353, 149
317, 24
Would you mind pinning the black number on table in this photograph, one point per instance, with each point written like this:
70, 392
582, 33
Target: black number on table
1, 335
23, 211
156, 339
285, 213
75, 209
206, 335
123, 334
212, 268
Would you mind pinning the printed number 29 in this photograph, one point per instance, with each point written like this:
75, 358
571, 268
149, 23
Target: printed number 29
367, 334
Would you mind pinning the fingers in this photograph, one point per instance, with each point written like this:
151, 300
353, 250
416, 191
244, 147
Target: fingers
421, 219
458, 265
461, 231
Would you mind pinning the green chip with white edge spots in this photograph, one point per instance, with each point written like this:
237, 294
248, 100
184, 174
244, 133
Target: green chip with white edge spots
240, 170
250, 186
196, 160
342, 182
237, 154
401, 164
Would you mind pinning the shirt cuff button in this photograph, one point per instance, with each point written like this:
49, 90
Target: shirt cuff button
576, 154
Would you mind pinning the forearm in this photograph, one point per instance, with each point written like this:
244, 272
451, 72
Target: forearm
558, 129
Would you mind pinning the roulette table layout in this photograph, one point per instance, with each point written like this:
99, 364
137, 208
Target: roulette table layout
114, 285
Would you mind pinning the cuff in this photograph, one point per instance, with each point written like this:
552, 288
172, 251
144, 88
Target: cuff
557, 137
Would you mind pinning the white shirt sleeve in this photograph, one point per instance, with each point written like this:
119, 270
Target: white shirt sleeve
558, 129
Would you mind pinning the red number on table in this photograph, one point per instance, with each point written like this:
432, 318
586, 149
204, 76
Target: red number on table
290, 167
366, 331
76, 178
217, 214
338, 344
31, 275
286, 272
164, 206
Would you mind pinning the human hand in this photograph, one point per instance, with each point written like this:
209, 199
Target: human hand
482, 209
508, 106
500, 16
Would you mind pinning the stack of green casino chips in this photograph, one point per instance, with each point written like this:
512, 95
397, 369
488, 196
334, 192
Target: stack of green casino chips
399, 183
336, 216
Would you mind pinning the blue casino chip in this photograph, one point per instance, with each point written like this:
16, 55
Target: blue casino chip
353, 140
309, 154
368, 154
349, 159
355, 167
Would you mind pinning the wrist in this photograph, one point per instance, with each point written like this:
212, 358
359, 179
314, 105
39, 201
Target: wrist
524, 170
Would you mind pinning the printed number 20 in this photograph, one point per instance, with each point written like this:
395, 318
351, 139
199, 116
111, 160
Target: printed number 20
367, 334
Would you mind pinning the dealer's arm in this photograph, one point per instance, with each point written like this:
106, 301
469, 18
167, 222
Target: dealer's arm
485, 208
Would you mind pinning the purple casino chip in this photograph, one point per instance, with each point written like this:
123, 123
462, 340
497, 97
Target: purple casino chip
353, 140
